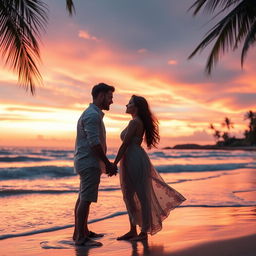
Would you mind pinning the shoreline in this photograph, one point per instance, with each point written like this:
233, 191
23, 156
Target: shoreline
209, 147
186, 232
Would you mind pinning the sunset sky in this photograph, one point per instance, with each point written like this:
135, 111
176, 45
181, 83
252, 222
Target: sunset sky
140, 47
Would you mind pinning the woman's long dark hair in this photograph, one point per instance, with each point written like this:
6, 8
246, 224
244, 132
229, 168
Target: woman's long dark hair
150, 122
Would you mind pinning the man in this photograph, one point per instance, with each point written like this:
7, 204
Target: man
91, 160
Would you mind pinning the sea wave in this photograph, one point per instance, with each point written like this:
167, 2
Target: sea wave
198, 179
116, 214
23, 159
36, 172
16, 154
11, 158
5, 152
203, 167
52, 171
20, 155
16, 192
8, 191
199, 154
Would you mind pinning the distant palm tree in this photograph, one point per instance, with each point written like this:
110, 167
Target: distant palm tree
217, 133
21, 23
228, 123
250, 135
238, 26
251, 116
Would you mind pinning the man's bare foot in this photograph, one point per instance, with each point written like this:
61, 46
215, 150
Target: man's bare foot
92, 234
79, 241
88, 242
140, 237
127, 236
74, 235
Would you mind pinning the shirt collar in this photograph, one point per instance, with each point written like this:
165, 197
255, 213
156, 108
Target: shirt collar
97, 109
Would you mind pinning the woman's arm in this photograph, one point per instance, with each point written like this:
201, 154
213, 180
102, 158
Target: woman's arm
131, 129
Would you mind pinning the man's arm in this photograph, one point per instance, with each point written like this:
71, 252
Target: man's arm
111, 168
92, 128
98, 151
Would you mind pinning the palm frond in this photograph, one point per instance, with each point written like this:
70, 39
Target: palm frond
249, 41
211, 5
245, 21
21, 23
197, 5
228, 32
70, 6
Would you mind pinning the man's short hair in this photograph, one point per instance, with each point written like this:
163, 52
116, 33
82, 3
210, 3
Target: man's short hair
101, 87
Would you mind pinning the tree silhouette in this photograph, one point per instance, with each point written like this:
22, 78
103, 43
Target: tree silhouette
216, 134
250, 134
237, 27
223, 138
21, 24
225, 135
228, 123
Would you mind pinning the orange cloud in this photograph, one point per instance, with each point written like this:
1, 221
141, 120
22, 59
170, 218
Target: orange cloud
71, 66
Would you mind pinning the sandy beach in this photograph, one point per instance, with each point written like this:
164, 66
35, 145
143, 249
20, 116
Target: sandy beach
187, 231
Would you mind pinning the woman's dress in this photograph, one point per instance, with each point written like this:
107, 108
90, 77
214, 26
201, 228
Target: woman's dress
148, 198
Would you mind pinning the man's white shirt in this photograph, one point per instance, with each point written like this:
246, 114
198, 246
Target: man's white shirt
90, 132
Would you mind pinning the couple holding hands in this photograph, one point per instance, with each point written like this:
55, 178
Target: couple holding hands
147, 197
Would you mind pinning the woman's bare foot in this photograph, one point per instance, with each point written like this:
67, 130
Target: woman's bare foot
128, 235
141, 236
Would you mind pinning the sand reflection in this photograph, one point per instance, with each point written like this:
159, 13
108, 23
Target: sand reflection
142, 248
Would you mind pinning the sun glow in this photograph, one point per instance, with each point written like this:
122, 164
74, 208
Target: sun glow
181, 97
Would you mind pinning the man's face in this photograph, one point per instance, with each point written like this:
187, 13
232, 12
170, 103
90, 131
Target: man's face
107, 100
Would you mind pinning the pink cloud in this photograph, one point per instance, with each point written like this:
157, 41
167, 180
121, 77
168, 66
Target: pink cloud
85, 35
142, 50
172, 62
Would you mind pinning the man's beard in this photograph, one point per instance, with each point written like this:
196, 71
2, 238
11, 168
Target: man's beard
105, 105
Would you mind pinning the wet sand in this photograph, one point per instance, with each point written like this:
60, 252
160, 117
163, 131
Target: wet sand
187, 231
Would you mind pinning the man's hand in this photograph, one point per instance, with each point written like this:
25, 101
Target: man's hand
111, 169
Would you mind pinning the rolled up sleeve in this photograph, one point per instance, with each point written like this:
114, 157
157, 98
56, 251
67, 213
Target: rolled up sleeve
91, 128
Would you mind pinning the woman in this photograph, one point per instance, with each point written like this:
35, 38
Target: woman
148, 198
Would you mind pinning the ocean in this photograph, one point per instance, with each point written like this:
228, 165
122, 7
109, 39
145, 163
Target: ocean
38, 187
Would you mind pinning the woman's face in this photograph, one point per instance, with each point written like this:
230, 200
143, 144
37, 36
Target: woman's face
130, 107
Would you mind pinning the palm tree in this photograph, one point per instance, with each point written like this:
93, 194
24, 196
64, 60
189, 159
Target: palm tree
251, 116
228, 123
21, 24
216, 134
250, 135
238, 26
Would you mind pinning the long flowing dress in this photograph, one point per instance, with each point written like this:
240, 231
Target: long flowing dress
147, 197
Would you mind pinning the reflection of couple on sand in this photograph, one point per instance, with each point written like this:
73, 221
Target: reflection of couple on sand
137, 250
147, 197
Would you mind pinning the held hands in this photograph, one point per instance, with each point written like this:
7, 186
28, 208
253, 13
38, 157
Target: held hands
111, 169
